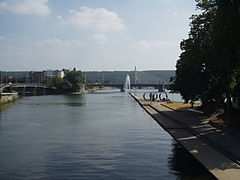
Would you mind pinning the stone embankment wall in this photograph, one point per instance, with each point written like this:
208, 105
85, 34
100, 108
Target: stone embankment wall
8, 98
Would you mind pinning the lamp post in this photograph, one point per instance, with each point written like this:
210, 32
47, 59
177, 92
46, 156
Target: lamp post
85, 80
0, 77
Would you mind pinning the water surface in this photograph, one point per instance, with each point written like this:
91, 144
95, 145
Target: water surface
93, 136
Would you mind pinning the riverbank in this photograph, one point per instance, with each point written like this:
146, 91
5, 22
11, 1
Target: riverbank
215, 148
5, 99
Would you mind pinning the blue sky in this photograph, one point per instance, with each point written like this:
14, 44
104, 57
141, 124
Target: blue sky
92, 34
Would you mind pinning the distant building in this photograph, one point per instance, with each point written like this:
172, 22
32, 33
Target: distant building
30, 77
59, 74
14, 76
66, 71
48, 73
36, 77
9, 79
53, 73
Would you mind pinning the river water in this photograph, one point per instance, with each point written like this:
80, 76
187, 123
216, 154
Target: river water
92, 136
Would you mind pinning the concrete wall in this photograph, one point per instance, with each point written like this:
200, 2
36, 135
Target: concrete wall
8, 99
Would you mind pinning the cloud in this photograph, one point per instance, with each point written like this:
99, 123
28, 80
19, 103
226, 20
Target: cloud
38, 7
2, 38
150, 45
59, 53
55, 42
181, 13
159, 54
99, 38
98, 19
142, 44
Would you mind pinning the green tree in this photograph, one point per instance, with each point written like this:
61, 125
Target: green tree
192, 69
74, 80
58, 83
48, 81
208, 68
226, 34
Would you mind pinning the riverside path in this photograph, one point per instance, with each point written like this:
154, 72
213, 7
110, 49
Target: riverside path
216, 149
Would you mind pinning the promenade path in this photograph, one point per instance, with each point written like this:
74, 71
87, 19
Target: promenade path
215, 148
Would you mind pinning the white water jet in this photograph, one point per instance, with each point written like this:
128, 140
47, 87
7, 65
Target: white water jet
127, 84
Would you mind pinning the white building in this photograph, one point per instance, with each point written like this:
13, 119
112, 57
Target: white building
53, 73
59, 74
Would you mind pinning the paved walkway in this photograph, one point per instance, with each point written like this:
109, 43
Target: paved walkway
216, 149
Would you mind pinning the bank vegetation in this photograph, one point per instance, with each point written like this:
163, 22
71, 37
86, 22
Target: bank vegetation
209, 66
73, 81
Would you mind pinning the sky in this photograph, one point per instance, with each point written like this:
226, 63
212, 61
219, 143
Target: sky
92, 35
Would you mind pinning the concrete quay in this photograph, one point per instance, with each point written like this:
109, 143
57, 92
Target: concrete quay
6, 98
217, 150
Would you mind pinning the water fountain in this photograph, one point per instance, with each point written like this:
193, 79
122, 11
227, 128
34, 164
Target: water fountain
127, 84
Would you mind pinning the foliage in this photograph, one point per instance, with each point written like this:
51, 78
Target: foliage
226, 45
208, 68
192, 69
72, 81
48, 81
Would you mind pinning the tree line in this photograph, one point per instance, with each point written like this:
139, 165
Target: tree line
209, 66
73, 81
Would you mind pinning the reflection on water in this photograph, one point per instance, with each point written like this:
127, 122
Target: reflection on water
92, 136
4, 107
186, 166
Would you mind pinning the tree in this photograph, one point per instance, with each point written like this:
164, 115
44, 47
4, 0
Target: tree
74, 80
192, 69
226, 46
209, 66
48, 81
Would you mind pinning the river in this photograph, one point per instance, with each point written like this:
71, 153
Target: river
93, 136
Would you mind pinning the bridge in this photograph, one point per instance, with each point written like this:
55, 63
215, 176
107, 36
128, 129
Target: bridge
160, 87
34, 89
24, 89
